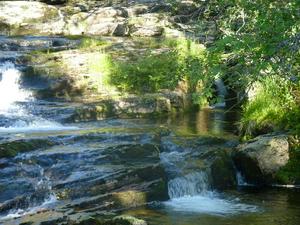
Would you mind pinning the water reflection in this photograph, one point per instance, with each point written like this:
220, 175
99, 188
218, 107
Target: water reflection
206, 121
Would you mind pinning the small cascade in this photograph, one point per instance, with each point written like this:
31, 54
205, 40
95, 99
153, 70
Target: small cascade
189, 185
14, 115
42, 198
241, 181
10, 90
191, 191
222, 92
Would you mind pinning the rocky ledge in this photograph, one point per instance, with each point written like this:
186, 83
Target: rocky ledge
123, 18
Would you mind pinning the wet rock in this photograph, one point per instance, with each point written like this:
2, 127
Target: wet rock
11, 149
135, 106
93, 112
200, 155
139, 152
223, 173
128, 220
118, 220
261, 158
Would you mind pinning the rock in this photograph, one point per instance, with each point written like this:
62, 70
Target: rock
261, 158
11, 149
22, 17
130, 107
147, 25
104, 21
222, 171
137, 10
93, 112
146, 31
128, 220
117, 220
54, 2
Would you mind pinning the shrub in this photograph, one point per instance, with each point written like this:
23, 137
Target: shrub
149, 73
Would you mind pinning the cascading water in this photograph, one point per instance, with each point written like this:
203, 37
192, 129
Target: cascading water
10, 90
192, 192
222, 92
43, 197
13, 114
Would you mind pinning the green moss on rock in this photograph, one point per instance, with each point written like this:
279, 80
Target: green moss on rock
11, 149
290, 173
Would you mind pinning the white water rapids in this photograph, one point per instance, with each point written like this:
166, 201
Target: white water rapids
12, 99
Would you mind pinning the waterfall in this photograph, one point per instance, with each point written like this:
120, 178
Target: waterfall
190, 190
241, 180
189, 185
10, 91
14, 116
43, 197
222, 92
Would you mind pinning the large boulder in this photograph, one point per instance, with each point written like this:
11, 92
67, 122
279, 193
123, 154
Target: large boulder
103, 21
22, 17
146, 25
260, 159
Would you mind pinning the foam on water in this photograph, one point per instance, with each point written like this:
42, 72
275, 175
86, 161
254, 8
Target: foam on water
209, 204
191, 193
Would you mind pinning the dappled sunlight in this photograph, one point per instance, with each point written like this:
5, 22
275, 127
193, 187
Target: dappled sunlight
131, 198
153, 112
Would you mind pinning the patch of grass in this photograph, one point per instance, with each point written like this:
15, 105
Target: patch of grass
147, 74
270, 109
181, 60
90, 43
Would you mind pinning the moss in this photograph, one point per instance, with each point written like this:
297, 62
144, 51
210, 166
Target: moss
290, 173
11, 149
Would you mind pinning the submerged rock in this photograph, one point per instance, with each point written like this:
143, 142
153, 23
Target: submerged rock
128, 220
118, 220
260, 159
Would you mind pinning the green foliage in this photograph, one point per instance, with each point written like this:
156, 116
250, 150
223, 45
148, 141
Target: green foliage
88, 42
290, 173
147, 74
183, 60
259, 41
270, 109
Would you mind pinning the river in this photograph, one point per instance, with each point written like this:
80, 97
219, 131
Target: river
162, 170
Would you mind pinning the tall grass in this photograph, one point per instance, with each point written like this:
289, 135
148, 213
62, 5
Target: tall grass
271, 108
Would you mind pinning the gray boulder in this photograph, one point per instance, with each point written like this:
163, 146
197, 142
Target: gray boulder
261, 158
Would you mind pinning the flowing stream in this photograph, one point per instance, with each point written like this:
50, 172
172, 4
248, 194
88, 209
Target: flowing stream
157, 169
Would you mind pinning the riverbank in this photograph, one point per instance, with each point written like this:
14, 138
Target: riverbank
147, 109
